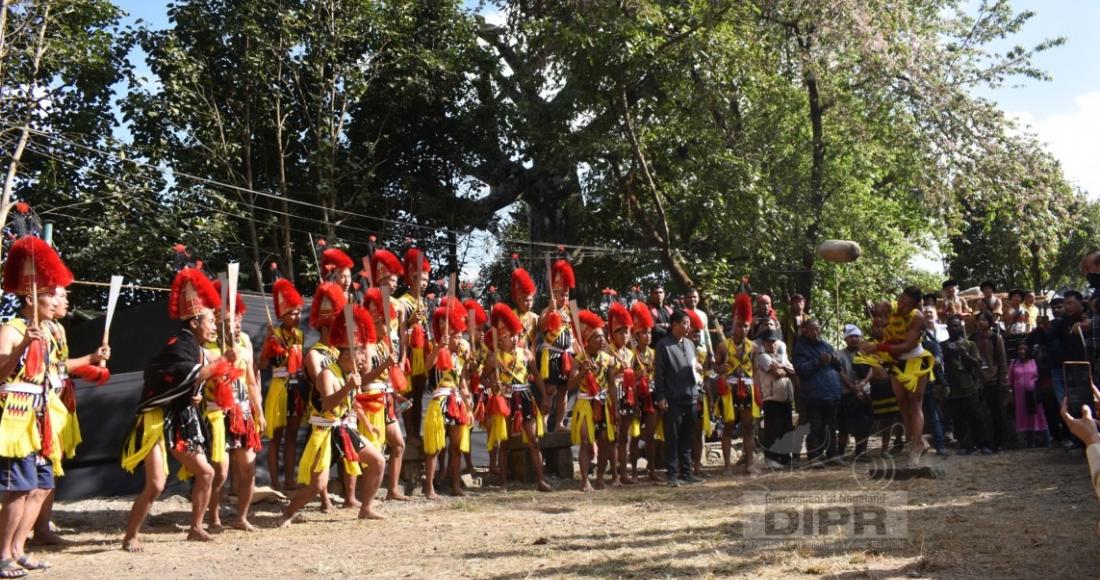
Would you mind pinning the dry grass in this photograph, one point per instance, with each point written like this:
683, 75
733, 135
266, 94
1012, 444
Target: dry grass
1024, 514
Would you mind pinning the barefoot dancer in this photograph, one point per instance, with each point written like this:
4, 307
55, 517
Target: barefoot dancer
414, 312
333, 436
510, 369
168, 418
523, 296
556, 350
475, 361
624, 381
447, 421
648, 417
62, 403
381, 414
28, 444
736, 393
235, 419
286, 397
594, 412
336, 268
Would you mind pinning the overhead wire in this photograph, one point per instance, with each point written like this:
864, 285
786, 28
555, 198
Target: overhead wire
215, 183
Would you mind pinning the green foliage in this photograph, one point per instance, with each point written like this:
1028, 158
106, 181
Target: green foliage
701, 141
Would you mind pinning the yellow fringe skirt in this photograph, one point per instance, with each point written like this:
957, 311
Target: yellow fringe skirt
583, 420
147, 434
317, 456
275, 405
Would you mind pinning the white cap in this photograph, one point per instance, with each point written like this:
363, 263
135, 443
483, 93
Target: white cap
852, 330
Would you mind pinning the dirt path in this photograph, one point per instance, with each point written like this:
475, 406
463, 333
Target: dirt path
1022, 514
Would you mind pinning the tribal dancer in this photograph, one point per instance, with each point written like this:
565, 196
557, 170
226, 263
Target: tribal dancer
556, 350
448, 415
510, 371
336, 268
62, 402
523, 296
704, 427
380, 410
234, 415
910, 365
168, 418
594, 411
624, 381
333, 367
479, 353
29, 446
648, 418
286, 398
736, 393
327, 305
414, 313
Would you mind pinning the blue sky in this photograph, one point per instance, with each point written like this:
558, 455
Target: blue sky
1064, 112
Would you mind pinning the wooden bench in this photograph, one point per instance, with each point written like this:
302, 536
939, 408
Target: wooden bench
557, 456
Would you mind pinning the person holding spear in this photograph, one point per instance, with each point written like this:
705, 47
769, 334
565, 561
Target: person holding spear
648, 418
511, 370
28, 445
381, 412
333, 434
167, 418
235, 413
286, 399
413, 311
594, 412
62, 395
448, 415
556, 350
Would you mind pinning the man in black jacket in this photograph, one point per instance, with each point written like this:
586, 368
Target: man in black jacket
676, 375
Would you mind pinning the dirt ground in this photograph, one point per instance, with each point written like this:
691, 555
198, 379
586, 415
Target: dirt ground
1018, 514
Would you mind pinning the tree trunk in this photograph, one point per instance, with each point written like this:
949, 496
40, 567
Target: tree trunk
1036, 271
284, 219
246, 153
659, 229
817, 187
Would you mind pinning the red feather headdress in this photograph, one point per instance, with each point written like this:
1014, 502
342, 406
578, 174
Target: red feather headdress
192, 294
285, 296
563, 274
364, 329
373, 300
480, 317
334, 260
241, 308
411, 257
643, 320
742, 308
504, 316
522, 285
328, 305
590, 322
618, 316
33, 260
453, 313
385, 264
696, 322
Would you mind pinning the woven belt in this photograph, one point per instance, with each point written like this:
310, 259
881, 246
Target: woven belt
25, 388
378, 388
